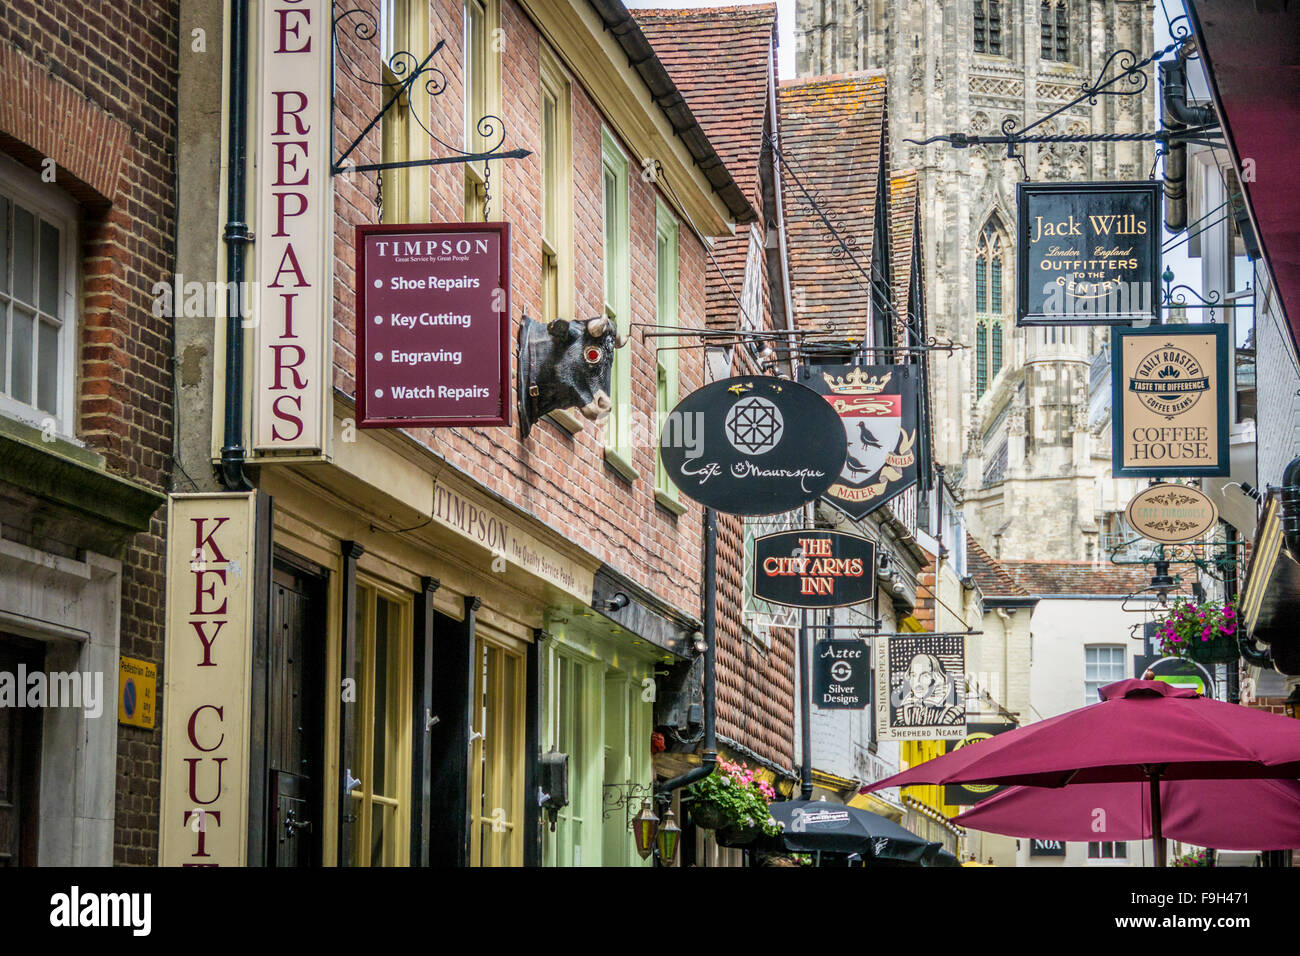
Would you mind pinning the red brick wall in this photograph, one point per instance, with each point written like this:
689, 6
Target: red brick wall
91, 86
562, 480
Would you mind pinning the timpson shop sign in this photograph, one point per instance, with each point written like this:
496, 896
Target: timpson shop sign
294, 225
1170, 403
1089, 253
203, 813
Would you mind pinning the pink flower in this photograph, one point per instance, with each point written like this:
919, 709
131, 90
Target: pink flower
1230, 629
1229, 613
1205, 634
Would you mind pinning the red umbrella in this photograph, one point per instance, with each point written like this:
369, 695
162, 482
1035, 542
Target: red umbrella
1141, 731
1224, 814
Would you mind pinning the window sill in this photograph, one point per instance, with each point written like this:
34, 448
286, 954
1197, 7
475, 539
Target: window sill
669, 503
567, 419
616, 459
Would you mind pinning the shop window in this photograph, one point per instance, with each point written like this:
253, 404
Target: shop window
573, 729
1102, 665
1054, 27
666, 358
497, 756
1108, 851
618, 301
480, 44
380, 807
988, 27
627, 727
37, 300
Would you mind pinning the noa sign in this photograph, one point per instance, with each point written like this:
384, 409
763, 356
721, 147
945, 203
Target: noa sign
814, 569
753, 445
293, 255
1170, 401
1088, 253
433, 325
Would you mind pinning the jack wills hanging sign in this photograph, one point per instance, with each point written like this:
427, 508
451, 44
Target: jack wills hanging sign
1169, 396
814, 569
752, 445
1089, 253
876, 406
433, 316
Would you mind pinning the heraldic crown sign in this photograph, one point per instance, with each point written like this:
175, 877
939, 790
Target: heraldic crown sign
857, 381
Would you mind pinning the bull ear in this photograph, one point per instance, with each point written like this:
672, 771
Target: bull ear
596, 327
559, 329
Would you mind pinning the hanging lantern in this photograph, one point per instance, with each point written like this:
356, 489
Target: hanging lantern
669, 833
644, 825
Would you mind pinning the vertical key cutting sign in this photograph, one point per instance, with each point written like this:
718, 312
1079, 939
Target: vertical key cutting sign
433, 325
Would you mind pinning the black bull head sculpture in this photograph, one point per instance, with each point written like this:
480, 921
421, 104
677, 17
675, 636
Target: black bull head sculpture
565, 364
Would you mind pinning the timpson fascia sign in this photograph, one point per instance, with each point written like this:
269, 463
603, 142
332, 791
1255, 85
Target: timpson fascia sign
877, 408
1088, 253
294, 223
433, 325
211, 570
814, 569
1170, 401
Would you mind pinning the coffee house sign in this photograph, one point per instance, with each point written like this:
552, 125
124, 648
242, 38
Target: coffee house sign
1089, 253
1169, 396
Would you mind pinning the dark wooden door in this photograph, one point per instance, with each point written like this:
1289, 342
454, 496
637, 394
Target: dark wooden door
20, 756
295, 717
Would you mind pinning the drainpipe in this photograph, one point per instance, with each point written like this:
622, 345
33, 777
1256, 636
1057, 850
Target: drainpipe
1290, 501
236, 237
709, 759
1177, 115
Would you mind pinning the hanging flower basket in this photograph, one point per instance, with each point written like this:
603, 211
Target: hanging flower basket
1205, 633
708, 815
738, 835
733, 799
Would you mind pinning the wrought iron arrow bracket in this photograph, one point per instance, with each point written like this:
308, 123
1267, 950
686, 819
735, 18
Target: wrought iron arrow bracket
405, 69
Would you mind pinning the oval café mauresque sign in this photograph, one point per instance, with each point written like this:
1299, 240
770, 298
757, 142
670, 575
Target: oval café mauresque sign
1171, 514
753, 445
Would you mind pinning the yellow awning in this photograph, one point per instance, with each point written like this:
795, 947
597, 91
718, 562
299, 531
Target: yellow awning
872, 803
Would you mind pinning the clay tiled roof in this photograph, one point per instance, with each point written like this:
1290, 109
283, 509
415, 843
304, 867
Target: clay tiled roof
1084, 578
831, 134
991, 577
904, 229
719, 58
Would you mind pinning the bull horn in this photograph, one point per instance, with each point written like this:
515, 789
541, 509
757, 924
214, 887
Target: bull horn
596, 327
620, 338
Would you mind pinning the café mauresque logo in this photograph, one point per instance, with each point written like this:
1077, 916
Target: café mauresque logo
1169, 381
754, 425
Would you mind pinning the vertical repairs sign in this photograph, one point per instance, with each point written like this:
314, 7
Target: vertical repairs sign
433, 325
294, 253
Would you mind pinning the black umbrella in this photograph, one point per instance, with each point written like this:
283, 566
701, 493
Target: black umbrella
811, 826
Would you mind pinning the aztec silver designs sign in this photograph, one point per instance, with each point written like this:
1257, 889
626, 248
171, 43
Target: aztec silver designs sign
920, 687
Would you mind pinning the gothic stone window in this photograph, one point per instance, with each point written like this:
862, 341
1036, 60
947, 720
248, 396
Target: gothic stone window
1054, 23
992, 260
988, 27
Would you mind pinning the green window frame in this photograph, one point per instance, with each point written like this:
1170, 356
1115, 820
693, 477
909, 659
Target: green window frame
618, 301
666, 361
